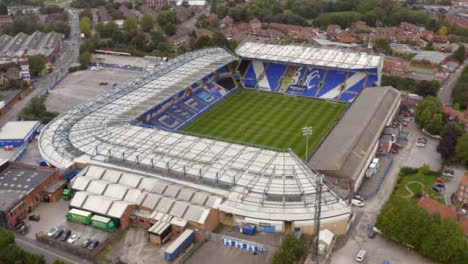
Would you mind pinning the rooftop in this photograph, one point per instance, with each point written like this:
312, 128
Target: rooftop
17, 180
334, 58
38, 43
17, 129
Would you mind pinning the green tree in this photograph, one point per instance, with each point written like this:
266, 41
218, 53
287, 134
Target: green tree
130, 25
448, 140
166, 17
460, 91
85, 58
170, 29
110, 29
443, 30
461, 150
36, 110
100, 28
146, 23
459, 54
3, 9
429, 115
36, 65
435, 125
290, 251
382, 45
85, 26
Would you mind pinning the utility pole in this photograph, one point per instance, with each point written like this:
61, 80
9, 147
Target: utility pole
318, 211
307, 131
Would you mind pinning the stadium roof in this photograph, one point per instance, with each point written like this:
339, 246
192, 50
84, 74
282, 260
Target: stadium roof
347, 145
255, 182
333, 58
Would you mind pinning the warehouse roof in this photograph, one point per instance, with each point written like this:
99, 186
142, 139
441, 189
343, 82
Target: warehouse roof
38, 43
14, 130
354, 136
17, 180
159, 227
334, 58
434, 57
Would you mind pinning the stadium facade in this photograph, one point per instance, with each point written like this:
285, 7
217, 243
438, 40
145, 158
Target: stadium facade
140, 167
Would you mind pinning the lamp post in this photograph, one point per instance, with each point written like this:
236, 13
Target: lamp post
307, 131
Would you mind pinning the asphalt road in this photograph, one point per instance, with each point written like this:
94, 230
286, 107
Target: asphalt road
445, 92
46, 82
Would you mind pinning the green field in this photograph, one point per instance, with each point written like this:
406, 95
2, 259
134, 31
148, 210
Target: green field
268, 119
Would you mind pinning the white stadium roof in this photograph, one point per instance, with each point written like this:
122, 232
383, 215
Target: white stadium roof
254, 182
333, 58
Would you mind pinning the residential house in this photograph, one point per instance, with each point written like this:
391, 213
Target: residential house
396, 66
104, 14
255, 25
5, 20
462, 191
157, 4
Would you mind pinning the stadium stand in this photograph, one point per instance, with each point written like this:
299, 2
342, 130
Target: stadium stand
274, 72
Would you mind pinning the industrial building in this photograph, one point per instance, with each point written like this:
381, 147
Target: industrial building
23, 187
143, 174
18, 133
47, 45
348, 150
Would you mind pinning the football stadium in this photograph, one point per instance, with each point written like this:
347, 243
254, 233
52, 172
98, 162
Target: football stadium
214, 137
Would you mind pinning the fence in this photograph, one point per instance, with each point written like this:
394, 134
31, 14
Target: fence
374, 192
190, 252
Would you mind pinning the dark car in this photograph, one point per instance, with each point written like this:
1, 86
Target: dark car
440, 185
371, 233
34, 218
22, 228
436, 189
93, 245
86, 243
57, 234
65, 235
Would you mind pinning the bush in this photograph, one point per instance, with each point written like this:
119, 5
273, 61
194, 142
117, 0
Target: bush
408, 171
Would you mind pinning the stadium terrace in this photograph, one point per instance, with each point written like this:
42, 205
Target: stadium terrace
145, 156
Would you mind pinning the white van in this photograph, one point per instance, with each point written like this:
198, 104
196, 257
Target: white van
361, 255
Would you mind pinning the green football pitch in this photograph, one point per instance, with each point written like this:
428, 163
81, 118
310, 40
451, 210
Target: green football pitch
269, 119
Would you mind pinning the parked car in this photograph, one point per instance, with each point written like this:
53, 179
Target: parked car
93, 245
57, 234
361, 255
86, 243
448, 173
440, 185
65, 235
371, 233
436, 189
357, 203
407, 114
52, 231
21, 228
421, 142
358, 197
440, 180
34, 217
73, 238
404, 124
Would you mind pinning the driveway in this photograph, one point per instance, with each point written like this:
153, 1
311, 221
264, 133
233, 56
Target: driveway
452, 185
379, 248
445, 92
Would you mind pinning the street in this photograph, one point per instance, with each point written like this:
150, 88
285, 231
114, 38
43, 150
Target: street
445, 92
46, 82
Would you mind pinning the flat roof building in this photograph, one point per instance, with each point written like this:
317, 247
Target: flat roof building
18, 133
22, 45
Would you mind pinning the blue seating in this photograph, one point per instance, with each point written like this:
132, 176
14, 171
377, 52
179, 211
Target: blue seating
299, 76
250, 74
371, 80
204, 95
357, 88
223, 69
347, 96
274, 72
333, 79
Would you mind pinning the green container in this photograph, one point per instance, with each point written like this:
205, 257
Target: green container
103, 223
79, 216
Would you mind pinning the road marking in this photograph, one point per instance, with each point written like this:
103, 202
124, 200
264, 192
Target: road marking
47, 251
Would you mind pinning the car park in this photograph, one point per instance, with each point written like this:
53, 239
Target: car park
65, 235
86, 243
448, 173
57, 234
52, 231
34, 217
93, 245
421, 142
357, 203
73, 238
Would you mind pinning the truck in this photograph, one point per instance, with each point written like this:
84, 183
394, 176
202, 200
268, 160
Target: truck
79, 216
66, 194
179, 245
103, 223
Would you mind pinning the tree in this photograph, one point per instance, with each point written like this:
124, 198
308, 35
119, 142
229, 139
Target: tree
461, 150
3, 9
166, 17
459, 54
443, 30
85, 26
85, 58
130, 25
110, 29
448, 140
460, 91
36, 110
429, 115
36, 65
290, 251
170, 29
382, 45
146, 23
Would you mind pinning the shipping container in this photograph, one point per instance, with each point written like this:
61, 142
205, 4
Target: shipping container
179, 245
79, 216
103, 223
